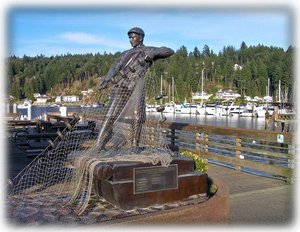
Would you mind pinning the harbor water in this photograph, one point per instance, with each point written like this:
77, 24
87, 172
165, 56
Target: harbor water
223, 121
226, 121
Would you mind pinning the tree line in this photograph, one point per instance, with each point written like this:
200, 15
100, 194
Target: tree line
246, 69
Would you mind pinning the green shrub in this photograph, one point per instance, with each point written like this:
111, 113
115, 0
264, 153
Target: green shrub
200, 161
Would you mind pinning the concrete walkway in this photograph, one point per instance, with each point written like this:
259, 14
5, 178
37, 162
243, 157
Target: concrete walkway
256, 200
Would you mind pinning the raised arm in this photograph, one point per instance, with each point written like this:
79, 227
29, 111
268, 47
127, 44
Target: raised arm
154, 53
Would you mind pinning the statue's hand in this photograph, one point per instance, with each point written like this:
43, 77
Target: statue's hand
103, 84
148, 58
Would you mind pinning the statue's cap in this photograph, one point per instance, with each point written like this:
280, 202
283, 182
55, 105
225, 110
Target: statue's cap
136, 30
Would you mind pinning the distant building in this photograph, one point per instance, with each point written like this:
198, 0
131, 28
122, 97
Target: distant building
70, 98
41, 98
237, 67
201, 96
227, 94
58, 99
87, 95
87, 92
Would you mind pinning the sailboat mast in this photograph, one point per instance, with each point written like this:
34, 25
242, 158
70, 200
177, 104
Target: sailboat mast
279, 91
173, 90
169, 93
202, 86
268, 94
161, 88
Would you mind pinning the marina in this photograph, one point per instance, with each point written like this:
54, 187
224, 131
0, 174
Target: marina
209, 116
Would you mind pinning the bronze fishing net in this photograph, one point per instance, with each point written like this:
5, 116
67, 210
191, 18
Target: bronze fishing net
60, 180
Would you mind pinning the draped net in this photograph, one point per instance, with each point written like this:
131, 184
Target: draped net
63, 176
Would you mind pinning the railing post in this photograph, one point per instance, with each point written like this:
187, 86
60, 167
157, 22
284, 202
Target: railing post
198, 143
172, 137
205, 144
201, 144
291, 165
238, 152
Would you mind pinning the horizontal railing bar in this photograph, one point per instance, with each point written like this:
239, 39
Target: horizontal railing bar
248, 149
269, 136
266, 145
275, 170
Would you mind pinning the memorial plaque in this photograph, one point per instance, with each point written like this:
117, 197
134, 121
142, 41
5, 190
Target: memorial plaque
155, 178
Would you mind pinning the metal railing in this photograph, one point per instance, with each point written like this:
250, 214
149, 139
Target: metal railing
266, 153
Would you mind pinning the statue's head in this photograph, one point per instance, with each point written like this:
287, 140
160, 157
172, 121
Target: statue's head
136, 36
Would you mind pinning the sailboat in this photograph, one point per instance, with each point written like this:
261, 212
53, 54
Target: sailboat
268, 98
188, 108
172, 106
201, 96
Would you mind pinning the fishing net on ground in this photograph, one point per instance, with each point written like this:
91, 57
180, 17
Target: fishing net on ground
61, 178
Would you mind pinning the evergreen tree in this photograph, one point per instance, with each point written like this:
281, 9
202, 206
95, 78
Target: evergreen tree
27, 75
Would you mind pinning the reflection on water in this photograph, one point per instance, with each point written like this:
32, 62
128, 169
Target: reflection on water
236, 122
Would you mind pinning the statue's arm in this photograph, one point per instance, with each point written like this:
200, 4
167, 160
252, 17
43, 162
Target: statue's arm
113, 71
154, 53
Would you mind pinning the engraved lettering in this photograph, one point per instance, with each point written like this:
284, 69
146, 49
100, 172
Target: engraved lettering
157, 178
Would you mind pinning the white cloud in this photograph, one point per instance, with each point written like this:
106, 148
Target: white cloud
85, 39
82, 38
69, 42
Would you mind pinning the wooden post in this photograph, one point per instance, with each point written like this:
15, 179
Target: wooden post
172, 137
291, 165
7, 108
29, 111
14, 108
205, 144
198, 145
38, 127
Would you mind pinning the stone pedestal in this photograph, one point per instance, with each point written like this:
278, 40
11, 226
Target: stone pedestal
129, 185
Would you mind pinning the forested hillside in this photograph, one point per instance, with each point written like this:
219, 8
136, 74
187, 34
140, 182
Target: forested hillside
245, 69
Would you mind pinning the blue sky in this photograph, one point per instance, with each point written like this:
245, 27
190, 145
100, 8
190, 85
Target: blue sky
57, 31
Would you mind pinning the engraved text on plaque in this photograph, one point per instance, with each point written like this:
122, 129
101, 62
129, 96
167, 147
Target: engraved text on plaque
155, 178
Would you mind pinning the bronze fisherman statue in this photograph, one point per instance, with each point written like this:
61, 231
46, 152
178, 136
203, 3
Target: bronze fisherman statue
127, 75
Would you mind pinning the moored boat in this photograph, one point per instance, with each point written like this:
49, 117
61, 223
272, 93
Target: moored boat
24, 105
